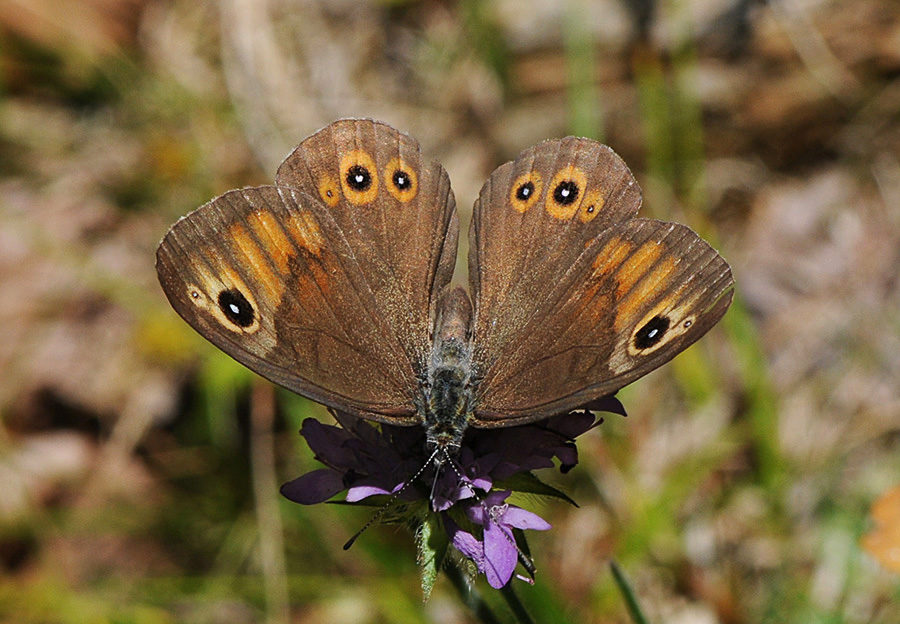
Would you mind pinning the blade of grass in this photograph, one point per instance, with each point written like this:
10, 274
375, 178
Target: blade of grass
583, 100
634, 609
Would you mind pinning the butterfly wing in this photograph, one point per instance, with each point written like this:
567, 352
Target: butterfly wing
284, 282
574, 298
531, 222
398, 213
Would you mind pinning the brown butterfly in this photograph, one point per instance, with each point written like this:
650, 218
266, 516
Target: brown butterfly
334, 282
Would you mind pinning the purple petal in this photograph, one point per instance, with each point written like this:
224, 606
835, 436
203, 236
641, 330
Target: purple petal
482, 483
496, 498
607, 403
314, 487
441, 503
465, 542
365, 489
475, 509
448, 491
475, 513
568, 456
572, 425
360, 492
523, 519
345, 420
328, 443
468, 545
500, 555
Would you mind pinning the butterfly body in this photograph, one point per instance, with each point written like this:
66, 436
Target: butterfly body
449, 392
335, 282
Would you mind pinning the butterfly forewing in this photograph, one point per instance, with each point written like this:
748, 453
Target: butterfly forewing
531, 222
397, 212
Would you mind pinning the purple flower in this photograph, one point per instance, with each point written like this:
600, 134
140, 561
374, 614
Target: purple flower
496, 556
359, 457
467, 492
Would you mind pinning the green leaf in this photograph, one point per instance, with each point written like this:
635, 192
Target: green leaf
432, 543
526, 482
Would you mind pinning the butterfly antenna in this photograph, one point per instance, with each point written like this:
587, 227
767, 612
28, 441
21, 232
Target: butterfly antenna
524, 559
394, 496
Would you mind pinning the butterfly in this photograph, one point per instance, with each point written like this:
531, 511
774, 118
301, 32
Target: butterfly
335, 282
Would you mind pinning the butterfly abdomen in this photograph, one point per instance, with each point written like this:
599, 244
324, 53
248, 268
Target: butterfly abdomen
447, 413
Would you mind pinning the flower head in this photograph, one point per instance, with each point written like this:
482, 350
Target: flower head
467, 491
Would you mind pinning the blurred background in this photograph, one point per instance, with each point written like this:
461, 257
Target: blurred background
139, 467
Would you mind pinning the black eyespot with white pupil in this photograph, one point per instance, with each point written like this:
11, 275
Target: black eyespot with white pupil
359, 178
565, 193
525, 191
650, 334
236, 308
401, 180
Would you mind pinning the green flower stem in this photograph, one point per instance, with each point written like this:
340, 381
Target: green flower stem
512, 599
